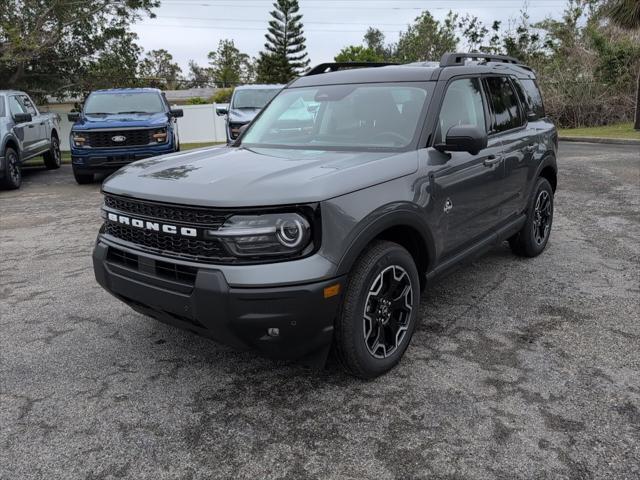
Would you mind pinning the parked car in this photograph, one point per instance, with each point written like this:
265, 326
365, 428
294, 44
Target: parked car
246, 102
25, 133
119, 126
326, 231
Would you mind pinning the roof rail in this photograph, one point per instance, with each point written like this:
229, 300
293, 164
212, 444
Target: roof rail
334, 67
457, 59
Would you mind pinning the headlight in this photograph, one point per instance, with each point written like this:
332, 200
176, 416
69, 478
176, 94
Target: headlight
79, 139
272, 234
159, 135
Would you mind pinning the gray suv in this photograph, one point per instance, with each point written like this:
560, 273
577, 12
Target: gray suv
342, 201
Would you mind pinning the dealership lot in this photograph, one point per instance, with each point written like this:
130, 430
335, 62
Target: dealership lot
519, 369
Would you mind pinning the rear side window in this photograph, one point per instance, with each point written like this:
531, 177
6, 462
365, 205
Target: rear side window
462, 105
530, 96
505, 109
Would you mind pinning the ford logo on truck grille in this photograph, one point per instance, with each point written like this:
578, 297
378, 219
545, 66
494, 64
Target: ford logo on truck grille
118, 138
153, 226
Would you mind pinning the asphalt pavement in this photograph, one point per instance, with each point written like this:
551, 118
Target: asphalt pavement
520, 368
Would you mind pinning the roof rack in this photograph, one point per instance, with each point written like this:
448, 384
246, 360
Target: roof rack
334, 67
457, 59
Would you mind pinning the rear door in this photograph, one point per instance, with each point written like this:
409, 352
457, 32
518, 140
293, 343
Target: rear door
469, 186
509, 125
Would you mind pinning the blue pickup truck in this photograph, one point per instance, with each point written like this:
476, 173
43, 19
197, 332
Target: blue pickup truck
119, 126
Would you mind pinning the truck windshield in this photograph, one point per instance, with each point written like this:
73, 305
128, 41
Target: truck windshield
253, 98
114, 103
350, 117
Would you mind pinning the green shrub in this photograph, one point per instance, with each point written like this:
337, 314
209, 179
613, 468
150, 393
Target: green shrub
222, 96
197, 101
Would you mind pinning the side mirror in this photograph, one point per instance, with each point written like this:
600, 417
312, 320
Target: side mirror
464, 138
220, 111
176, 112
22, 117
73, 116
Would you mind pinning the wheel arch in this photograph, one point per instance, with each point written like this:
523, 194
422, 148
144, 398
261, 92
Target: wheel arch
11, 142
405, 227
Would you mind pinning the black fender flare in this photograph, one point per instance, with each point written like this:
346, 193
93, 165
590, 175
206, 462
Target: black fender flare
384, 218
11, 137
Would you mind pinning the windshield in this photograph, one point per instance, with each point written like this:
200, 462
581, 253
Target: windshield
365, 116
113, 103
253, 98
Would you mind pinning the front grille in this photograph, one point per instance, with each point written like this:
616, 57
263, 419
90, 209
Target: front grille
204, 250
169, 213
104, 139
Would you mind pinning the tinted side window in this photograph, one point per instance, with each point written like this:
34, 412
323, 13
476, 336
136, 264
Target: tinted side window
15, 106
2, 113
504, 105
462, 105
534, 98
29, 107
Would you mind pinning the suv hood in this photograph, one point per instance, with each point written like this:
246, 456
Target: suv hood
241, 177
243, 115
128, 120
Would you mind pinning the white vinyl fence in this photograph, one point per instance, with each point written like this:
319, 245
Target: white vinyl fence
199, 124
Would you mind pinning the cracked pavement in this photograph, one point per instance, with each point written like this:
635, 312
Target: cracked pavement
520, 369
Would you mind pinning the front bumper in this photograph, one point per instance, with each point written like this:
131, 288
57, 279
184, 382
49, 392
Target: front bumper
95, 160
206, 304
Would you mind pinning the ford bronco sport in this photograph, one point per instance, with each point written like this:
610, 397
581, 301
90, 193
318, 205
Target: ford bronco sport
347, 196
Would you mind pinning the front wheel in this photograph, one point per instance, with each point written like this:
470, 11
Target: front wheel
532, 239
12, 170
82, 178
379, 311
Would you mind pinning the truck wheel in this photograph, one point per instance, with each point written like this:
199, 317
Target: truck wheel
53, 158
532, 239
12, 170
83, 178
379, 311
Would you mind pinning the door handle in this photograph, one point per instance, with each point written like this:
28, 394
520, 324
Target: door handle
31, 126
491, 160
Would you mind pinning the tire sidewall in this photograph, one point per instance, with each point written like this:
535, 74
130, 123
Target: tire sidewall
541, 184
10, 153
376, 366
55, 152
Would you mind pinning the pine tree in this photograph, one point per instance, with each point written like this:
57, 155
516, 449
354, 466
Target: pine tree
286, 51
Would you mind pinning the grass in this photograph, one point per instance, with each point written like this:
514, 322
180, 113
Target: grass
621, 130
66, 156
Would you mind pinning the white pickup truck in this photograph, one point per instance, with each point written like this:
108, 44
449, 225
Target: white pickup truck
25, 133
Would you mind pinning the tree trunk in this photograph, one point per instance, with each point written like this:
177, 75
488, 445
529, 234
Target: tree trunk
637, 122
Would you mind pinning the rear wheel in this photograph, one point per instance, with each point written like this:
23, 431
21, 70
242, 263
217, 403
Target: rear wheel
12, 170
532, 239
82, 178
379, 311
53, 158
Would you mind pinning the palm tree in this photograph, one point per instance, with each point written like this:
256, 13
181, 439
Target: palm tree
626, 14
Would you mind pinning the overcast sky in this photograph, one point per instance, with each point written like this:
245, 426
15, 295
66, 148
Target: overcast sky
189, 29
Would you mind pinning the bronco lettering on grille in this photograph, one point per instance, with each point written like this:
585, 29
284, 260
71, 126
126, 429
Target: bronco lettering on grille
155, 226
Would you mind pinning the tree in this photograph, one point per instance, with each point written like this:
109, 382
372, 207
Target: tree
159, 70
198, 76
229, 66
626, 14
285, 42
427, 39
374, 40
49, 47
269, 68
358, 53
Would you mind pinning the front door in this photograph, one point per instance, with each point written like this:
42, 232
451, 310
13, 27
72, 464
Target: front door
468, 187
26, 132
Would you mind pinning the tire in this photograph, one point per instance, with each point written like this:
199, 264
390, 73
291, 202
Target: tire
82, 178
532, 239
12, 170
367, 307
53, 158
